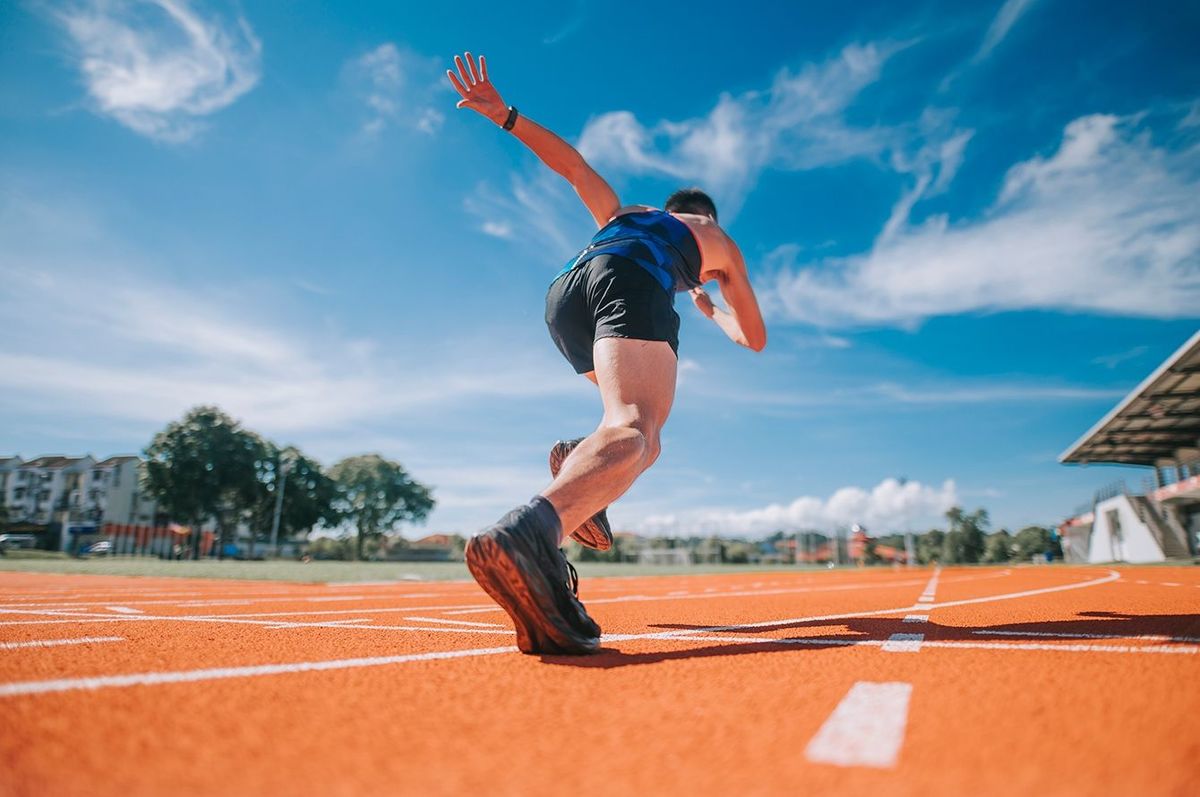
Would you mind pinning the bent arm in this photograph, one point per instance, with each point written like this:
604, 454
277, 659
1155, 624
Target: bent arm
599, 198
743, 322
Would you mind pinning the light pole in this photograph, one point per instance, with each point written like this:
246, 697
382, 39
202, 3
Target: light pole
285, 466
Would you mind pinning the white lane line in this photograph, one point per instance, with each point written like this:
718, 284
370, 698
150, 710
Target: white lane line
707, 596
453, 622
326, 624
903, 643
236, 620
916, 618
668, 636
191, 676
1112, 576
1190, 650
1058, 635
866, 729
1171, 584
53, 643
124, 610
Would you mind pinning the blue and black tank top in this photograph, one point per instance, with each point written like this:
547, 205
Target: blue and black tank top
656, 241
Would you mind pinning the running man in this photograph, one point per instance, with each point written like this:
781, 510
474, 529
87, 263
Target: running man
611, 314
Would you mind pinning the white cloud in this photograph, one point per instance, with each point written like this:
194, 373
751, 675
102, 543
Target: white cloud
1005, 18
798, 123
1108, 223
158, 66
890, 506
94, 333
540, 213
397, 88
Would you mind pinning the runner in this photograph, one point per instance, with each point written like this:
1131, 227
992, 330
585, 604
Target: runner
611, 313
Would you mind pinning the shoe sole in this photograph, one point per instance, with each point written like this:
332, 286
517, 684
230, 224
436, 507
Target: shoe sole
591, 534
494, 568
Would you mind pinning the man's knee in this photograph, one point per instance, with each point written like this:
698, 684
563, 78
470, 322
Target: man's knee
644, 441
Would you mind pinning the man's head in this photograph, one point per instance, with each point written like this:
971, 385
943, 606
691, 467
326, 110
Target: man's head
691, 200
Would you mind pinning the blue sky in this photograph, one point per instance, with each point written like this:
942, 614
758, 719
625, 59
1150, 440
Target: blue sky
973, 227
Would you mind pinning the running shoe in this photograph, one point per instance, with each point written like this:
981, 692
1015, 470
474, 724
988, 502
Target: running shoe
522, 570
595, 531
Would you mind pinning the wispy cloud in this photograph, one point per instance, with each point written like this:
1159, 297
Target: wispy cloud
539, 213
1111, 361
1005, 18
797, 123
155, 348
396, 87
1107, 223
890, 506
159, 66
572, 26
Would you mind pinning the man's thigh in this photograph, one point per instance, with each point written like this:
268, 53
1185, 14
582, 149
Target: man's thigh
636, 380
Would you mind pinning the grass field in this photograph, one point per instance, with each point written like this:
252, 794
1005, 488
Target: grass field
982, 681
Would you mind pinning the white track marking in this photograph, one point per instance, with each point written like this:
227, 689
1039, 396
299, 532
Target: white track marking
916, 618
53, 643
123, 610
866, 729
1112, 576
1171, 584
903, 643
326, 624
453, 622
1183, 649
236, 620
826, 642
1056, 635
215, 673
930, 590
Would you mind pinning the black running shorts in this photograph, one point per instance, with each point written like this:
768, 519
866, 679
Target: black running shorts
608, 297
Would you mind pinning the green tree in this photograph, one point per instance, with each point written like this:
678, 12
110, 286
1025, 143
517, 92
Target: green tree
309, 494
929, 546
205, 466
375, 494
1034, 541
998, 547
965, 541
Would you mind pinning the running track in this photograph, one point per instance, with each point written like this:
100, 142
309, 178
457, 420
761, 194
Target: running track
1030, 680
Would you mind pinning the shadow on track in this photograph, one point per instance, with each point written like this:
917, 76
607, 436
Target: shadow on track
1087, 627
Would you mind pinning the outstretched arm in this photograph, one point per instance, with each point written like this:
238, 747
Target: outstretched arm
478, 94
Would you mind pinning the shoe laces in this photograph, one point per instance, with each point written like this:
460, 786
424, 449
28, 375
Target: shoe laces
572, 575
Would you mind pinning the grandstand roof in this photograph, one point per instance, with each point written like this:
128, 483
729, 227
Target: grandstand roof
1155, 423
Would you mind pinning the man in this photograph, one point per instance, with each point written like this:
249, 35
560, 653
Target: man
611, 314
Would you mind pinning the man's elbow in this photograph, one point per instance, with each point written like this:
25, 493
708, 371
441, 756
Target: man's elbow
757, 342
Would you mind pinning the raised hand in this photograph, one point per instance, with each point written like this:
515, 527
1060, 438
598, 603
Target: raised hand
476, 89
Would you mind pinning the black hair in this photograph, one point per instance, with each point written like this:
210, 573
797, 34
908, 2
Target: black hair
691, 200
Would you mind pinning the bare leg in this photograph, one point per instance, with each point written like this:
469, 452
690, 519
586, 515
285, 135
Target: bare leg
637, 385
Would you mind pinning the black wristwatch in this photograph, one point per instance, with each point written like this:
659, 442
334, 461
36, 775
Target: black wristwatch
512, 118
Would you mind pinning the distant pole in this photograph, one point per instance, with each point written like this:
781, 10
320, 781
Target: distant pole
284, 467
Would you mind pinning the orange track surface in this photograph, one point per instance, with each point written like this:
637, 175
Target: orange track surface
1088, 684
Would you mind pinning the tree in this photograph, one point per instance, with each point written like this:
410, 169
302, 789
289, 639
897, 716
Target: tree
929, 546
1034, 541
205, 466
375, 494
998, 547
964, 541
309, 494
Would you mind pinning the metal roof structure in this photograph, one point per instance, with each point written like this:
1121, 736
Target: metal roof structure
1156, 424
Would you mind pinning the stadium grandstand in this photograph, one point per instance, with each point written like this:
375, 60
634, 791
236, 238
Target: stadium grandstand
1157, 426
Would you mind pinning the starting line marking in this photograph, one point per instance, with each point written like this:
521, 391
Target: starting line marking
53, 643
866, 729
